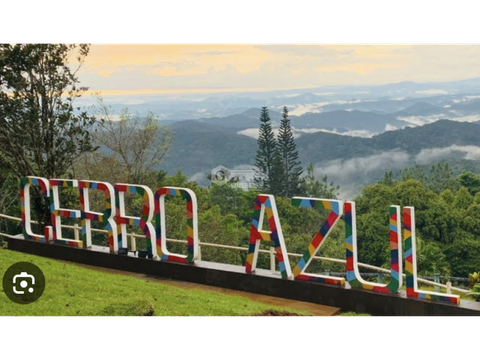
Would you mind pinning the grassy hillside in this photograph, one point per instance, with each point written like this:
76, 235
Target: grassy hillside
72, 290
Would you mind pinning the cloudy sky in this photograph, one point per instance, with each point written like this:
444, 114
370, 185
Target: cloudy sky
151, 69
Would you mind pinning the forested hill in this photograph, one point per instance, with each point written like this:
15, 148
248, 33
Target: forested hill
438, 134
199, 147
318, 147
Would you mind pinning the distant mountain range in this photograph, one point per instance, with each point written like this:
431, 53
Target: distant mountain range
387, 98
354, 121
351, 133
350, 161
340, 120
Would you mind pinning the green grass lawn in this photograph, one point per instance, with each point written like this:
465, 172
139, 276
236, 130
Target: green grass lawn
74, 290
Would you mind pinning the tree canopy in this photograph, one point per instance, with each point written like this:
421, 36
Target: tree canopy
41, 132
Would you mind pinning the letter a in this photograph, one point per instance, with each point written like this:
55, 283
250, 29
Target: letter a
266, 204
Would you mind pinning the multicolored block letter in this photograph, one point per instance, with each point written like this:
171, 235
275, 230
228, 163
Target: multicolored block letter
353, 275
57, 213
411, 263
25, 184
106, 218
336, 209
192, 224
266, 204
144, 222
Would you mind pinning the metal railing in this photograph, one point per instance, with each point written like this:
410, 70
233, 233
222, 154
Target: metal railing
76, 230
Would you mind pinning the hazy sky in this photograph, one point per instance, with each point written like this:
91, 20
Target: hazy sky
149, 69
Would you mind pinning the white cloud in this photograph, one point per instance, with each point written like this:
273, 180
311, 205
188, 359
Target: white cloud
422, 120
389, 127
303, 109
466, 99
313, 130
354, 133
427, 156
290, 95
198, 177
297, 132
324, 93
347, 173
432, 92
299, 110
253, 132
468, 118
396, 158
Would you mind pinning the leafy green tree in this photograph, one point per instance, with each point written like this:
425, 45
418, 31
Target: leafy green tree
9, 203
290, 176
470, 181
372, 210
470, 220
225, 230
388, 179
438, 178
410, 193
448, 197
445, 223
463, 199
463, 256
373, 238
441, 178
178, 180
416, 172
136, 145
438, 220
41, 132
277, 179
266, 152
232, 200
313, 187
430, 259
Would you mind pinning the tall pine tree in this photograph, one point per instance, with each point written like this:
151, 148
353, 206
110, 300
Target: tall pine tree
288, 154
266, 152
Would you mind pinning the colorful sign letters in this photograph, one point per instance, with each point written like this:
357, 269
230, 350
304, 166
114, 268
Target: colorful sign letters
25, 185
107, 218
57, 213
144, 221
411, 263
336, 209
353, 274
192, 224
115, 221
265, 204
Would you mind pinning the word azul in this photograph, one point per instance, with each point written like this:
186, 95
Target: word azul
115, 221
